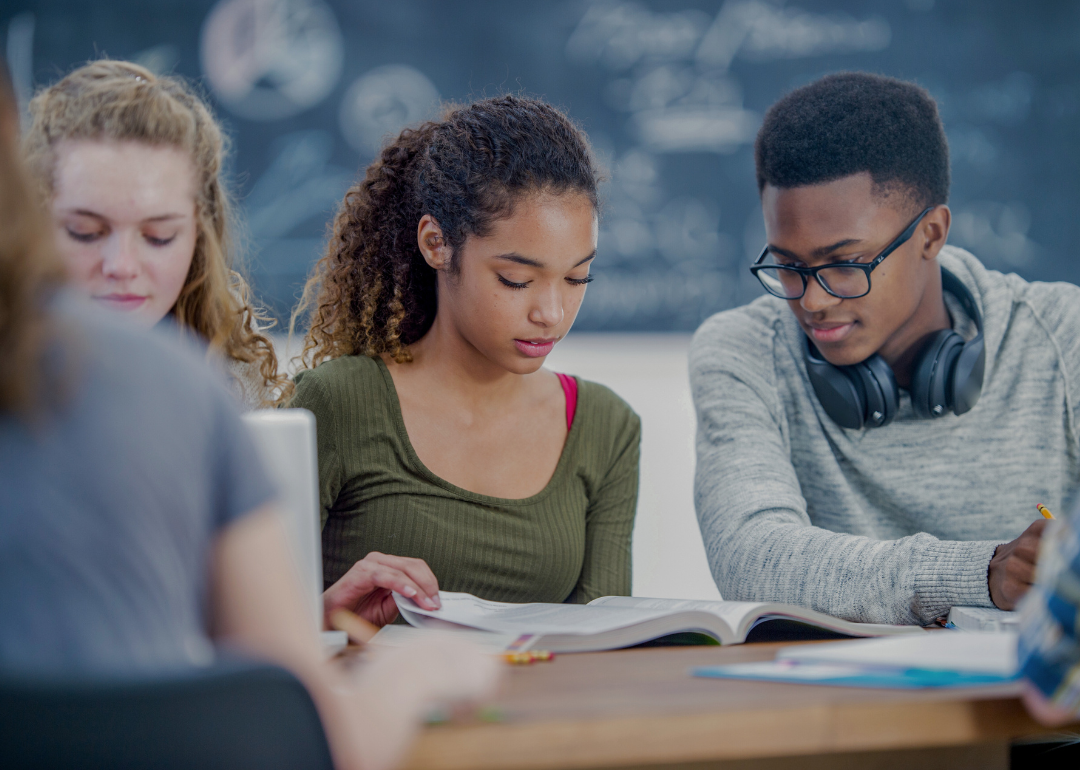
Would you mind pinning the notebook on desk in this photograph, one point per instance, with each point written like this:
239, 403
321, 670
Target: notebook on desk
984, 619
932, 660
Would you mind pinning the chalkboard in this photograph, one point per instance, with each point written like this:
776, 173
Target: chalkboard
671, 94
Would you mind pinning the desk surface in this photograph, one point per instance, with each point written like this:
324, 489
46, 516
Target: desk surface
641, 707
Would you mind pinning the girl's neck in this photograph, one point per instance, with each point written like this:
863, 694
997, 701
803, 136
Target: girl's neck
447, 360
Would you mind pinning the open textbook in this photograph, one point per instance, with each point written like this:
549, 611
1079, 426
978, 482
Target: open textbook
612, 622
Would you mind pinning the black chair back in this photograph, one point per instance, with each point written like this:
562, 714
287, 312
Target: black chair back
234, 715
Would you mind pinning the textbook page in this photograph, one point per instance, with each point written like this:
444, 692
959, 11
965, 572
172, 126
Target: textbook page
404, 636
743, 616
735, 614
958, 651
538, 618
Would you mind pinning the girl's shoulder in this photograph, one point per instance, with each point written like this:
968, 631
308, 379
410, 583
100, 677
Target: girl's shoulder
605, 412
342, 378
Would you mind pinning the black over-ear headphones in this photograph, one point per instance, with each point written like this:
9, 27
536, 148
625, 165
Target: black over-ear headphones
948, 375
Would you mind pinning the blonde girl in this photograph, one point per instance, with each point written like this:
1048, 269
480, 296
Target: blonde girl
130, 165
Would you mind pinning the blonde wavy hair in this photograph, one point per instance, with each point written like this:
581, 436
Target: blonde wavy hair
119, 101
30, 273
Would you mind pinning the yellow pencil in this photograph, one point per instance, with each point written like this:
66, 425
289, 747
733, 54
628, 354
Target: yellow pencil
358, 629
1044, 511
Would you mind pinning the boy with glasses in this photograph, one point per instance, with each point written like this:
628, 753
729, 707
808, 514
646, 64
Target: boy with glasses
874, 435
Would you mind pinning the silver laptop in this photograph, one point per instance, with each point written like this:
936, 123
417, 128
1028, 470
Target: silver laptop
286, 441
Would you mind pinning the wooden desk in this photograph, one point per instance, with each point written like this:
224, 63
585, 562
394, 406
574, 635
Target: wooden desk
641, 708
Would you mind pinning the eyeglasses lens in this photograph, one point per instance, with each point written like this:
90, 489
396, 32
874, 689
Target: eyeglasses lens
845, 281
840, 280
781, 282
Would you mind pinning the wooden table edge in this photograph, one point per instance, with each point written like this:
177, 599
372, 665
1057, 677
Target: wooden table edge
726, 735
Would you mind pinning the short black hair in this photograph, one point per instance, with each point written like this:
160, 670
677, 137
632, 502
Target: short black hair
854, 122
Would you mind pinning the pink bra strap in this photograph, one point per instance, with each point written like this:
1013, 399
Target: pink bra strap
569, 386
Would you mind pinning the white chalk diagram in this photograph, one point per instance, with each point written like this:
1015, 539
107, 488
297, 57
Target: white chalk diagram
382, 102
995, 231
271, 59
300, 185
677, 85
301, 182
268, 60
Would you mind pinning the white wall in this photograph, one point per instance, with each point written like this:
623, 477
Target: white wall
649, 371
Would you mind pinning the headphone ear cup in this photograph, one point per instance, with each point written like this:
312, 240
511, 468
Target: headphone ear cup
966, 380
931, 393
838, 391
882, 392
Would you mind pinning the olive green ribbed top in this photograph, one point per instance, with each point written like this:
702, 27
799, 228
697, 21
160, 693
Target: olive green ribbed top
569, 542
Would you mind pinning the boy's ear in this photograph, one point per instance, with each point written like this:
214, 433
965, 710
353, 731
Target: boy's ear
934, 231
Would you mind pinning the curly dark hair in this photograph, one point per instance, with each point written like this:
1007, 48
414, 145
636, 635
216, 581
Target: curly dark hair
373, 293
853, 122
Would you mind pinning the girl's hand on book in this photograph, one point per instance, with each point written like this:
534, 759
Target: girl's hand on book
367, 587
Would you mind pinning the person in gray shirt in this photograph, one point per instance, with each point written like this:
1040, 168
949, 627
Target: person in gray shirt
137, 533
875, 433
111, 503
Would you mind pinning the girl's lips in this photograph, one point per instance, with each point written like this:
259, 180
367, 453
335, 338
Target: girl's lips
535, 348
122, 301
832, 333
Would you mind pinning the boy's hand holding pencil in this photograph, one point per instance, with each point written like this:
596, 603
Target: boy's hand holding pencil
1012, 568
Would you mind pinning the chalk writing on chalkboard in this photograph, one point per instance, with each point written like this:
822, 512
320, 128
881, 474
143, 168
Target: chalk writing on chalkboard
671, 93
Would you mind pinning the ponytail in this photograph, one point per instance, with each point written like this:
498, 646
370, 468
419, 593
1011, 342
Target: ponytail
372, 292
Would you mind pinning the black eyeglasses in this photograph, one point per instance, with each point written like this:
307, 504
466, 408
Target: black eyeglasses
844, 280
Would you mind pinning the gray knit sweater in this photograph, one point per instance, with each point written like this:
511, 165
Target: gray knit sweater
893, 524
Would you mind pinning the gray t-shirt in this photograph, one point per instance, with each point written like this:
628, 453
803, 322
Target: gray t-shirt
110, 505
893, 524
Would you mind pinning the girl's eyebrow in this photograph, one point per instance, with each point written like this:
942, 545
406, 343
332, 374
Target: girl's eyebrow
164, 217
518, 259
95, 215
530, 262
84, 213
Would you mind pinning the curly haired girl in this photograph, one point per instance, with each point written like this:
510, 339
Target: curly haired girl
454, 268
130, 164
